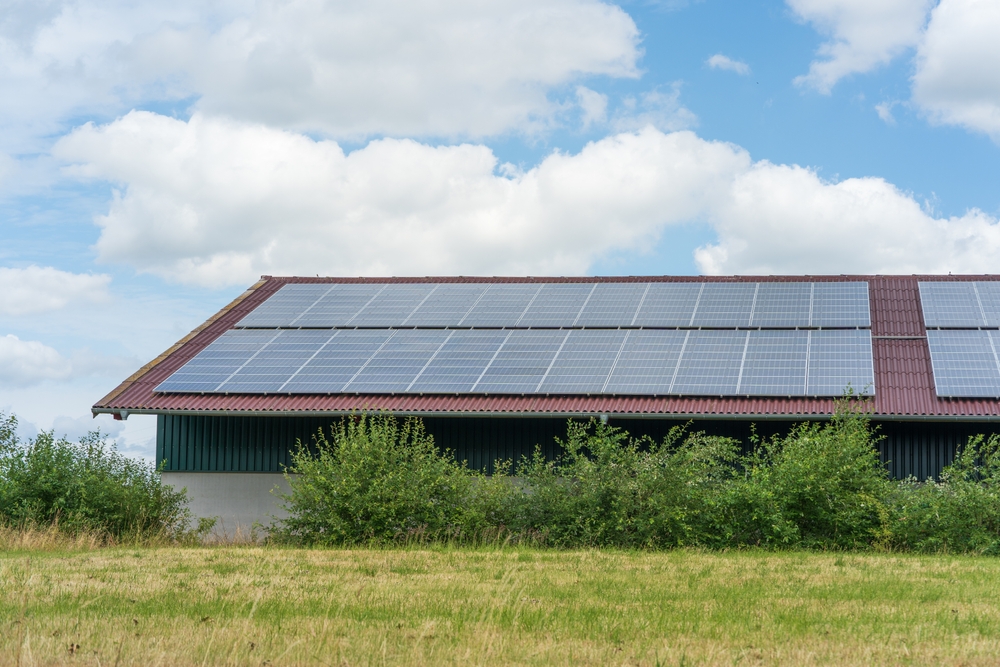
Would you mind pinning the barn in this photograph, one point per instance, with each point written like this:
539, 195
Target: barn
495, 366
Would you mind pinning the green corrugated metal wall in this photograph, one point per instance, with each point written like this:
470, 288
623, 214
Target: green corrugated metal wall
263, 444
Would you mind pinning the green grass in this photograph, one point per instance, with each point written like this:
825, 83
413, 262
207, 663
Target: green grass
257, 606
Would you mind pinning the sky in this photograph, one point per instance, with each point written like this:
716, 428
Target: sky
157, 158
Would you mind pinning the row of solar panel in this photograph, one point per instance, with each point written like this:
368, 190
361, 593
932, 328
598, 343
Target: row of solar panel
960, 304
773, 304
965, 362
637, 362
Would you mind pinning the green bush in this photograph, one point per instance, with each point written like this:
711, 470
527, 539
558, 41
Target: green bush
959, 513
822, 485
85, 486
607, 489
376, 479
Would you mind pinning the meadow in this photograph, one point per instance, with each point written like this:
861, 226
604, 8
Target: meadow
74, 603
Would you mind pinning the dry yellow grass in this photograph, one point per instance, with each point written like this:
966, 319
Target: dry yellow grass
270, 606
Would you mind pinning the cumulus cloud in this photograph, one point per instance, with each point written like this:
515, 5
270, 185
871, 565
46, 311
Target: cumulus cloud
24, 363
863, 34
654, 108
346, 68
957, 80
593, 106
212, 202
37, 289
719, 61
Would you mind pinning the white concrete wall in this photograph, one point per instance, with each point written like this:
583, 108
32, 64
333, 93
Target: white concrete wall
237, 499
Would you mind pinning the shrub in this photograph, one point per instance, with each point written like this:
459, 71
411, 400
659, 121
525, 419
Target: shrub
822, 485
607, 489
961, 512
84, 486
376, 479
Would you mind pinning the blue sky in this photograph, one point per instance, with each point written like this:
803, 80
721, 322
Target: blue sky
156, 158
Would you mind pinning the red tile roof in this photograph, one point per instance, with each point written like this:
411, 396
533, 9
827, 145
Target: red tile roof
903, 378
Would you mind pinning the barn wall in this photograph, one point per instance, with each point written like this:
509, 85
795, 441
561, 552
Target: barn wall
263, 444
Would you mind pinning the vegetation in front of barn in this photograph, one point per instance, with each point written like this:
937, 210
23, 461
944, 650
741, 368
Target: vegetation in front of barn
375, 479
54, 492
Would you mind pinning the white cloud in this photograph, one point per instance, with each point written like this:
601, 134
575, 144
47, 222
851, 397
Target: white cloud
719, 61
884, 111
213, 202
863, 35
593, 105
957, 80
24, 363
347, 68
37, 289
654, 108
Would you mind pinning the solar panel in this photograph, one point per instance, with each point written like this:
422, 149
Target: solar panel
459, 362
282, 307
584, 362
668, 305
710, 363
275, 362
646, 362
950, 304
397, 363
557, 305
989, 300
838, 358
392, 306
336, 362
213, 365
612, 305
501, 305
965, 363
782, 305
774, 364
522, 362
337, 306
724, 305
840, 305
447, 305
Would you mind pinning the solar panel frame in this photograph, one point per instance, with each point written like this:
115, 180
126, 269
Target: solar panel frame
393, 368
502, 305
459, 362
839, 358
522, 362
725, 305
338, 306
612, 304
950, 304
447, 305
282, 307
783, 304
709, 363
556, 305
392, 305
668, 305
774, 364
337, 362
840, 304
646, 363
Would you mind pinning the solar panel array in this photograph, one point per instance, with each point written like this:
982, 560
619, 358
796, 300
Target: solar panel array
586, 305
531, 361
962, 318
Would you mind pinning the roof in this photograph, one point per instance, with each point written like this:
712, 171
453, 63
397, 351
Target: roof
902, 364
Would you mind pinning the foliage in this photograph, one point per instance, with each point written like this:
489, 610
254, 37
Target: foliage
375, 479
84, 487
959, 513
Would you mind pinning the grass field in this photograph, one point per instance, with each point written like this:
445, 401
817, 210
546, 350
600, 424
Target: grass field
271, 606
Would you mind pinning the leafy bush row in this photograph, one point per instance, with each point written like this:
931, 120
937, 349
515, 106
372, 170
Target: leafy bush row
376, 479
84, 486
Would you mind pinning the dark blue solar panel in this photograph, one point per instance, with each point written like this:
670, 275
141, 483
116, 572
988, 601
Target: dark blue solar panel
774, 364
338, 306
612, 305
724, 305
838, 359
557, 305
447, 305
217, 362
521, 364
334, 364
965, 363
285, 305
502, 305
668, 305
840, 305
392, 306
647, 362
460, 362
782, 305
710, 363
584, 362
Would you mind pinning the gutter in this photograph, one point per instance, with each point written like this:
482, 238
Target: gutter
120, 414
